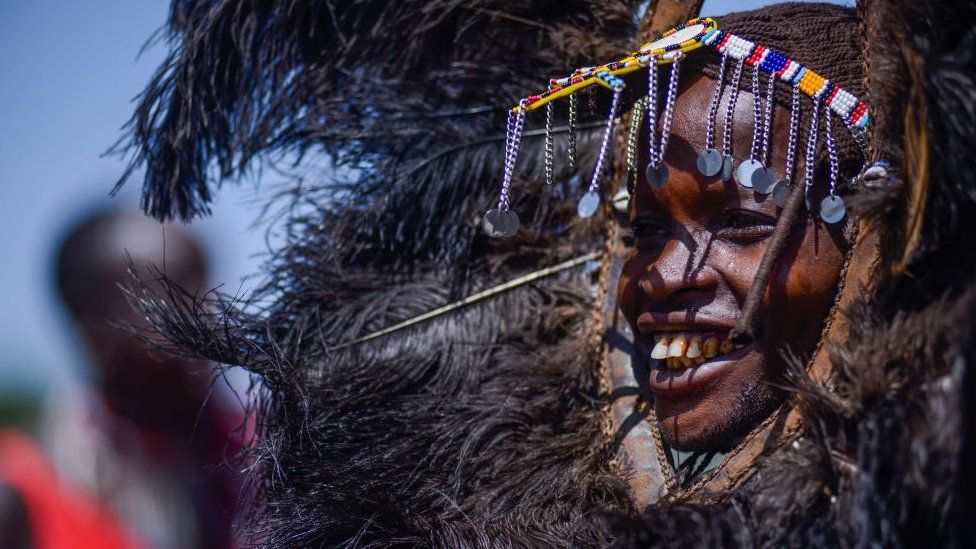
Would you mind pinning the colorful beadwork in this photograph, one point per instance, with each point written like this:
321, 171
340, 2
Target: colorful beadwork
810, 82
587, 76
842, 102
668, 49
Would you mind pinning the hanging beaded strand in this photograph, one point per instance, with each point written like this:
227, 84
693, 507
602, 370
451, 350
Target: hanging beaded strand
695, 34
653, 174
591, 200
727, 162
781, 192
832, 208
811, 159
548, 150
763, 178
746, 168
657, 171
633, 139
572, 133
621, 200
670, 100
501, 222
709, 161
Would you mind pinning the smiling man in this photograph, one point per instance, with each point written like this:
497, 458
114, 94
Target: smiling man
697, 243
428, 385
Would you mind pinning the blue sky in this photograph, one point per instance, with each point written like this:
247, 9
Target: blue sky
70, 70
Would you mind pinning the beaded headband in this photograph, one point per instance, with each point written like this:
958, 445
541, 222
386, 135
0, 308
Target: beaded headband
670, 49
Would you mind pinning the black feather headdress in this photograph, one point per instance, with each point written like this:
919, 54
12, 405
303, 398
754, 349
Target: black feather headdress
403, 98
398, 440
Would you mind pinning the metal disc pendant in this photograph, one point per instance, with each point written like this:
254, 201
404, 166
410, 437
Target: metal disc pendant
588, 204
781, 192
832, 209
709, 162
727, 164
500, 223
763, 180
657, 178
745, 171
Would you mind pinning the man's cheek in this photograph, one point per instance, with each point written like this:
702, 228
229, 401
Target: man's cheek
628, 292
814, 275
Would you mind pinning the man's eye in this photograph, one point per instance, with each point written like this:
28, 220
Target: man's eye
745, 225
648, 233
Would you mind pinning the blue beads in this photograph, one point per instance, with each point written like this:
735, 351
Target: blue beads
773, 62
614, 82
799, 75
711, 36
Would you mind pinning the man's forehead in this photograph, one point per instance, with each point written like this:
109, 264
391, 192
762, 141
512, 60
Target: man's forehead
686, 195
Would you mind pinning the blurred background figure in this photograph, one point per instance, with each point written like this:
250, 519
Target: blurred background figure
147, 436
136, 451
70, 70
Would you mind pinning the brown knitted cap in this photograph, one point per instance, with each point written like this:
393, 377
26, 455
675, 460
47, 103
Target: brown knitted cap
823, 37
826, 38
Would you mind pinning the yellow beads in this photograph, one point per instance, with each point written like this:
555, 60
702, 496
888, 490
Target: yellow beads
811, 83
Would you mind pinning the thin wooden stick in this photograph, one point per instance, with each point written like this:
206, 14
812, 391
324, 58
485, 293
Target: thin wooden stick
745, 327
473, 298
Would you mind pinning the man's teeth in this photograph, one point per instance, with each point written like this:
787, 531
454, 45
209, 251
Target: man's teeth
725, 347
678, 362
660, 348
685, 350
678, 346
710, 347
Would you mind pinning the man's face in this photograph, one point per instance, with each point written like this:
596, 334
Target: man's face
697, 245
147, 386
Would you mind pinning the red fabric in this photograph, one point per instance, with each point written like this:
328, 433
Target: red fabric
60, 515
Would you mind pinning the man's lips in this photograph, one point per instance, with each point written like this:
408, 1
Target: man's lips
688, 351
649, 323
675, 381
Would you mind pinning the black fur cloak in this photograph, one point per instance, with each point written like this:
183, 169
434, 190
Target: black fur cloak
487, 427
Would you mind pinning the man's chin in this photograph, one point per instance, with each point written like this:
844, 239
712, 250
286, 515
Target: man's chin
678, 434
708, 428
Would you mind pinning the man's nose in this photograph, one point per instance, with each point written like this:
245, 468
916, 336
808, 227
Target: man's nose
680, 275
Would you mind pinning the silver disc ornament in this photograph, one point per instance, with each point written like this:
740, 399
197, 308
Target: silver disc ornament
745, 171
500, 223
709, 162
588, 204
727, 164
657, 177
832, 209
781, 192
763, 180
